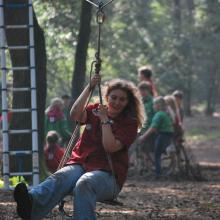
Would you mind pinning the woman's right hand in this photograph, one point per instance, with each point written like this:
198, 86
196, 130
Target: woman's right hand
95, 80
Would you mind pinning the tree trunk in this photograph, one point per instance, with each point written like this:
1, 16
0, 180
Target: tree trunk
214, 68
189, 57
81, 50
19, 58
177, 18
212, 90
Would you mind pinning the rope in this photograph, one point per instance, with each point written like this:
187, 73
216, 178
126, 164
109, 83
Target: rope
70, 147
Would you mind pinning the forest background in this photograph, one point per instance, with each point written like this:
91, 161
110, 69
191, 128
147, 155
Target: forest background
179, 39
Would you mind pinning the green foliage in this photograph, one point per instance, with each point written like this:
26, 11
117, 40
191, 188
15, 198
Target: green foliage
181, 44
60, 23
13, 181
1, 183
16, 179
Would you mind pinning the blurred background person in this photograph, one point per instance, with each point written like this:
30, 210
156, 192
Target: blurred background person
53, 152
146, 149
145, 74
55, 120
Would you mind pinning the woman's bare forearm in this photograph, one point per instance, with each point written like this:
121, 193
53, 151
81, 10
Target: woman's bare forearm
77, 111
110, 143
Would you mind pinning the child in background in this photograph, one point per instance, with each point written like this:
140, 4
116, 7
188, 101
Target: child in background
145, 150
53, 152
145, 74
178, 95
145, 91
179, 130
161, 125
171, 151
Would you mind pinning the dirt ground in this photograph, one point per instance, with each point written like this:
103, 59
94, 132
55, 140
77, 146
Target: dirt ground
167, 199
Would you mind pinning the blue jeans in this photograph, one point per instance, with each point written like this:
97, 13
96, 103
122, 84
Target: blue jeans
163, 140
87, 188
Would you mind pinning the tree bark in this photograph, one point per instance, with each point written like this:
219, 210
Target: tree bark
189, 57
177, 17
81, 50
214, 69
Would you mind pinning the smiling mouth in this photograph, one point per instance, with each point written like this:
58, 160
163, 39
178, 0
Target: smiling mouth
116, 108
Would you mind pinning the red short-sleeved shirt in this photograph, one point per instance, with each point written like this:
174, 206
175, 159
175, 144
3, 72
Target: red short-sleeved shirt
53, 159
89, 151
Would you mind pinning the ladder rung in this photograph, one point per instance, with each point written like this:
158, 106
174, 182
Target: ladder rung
17, 68
19, 89
21, 26
14, 152
20, 110
24, 131
23, 47
21, 174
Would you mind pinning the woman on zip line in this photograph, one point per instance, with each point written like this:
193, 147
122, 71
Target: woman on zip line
110, 129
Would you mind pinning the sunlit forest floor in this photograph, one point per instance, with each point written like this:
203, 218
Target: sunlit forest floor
145, 198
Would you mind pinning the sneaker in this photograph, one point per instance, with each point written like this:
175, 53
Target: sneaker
23, 200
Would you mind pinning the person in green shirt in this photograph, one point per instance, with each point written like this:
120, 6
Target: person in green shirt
161, 125
55, 119
145, 88
145, 150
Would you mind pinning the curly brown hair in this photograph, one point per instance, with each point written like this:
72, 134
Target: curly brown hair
135, 106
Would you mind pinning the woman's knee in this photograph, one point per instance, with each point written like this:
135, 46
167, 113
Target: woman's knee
83, 185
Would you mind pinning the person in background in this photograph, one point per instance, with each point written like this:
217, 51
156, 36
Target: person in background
144, 154
53, 152
179, 128
145, 74
55, 119
172, 110
109, 131
162, 126
178, 95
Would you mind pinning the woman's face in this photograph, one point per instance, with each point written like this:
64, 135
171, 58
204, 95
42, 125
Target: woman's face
117, 101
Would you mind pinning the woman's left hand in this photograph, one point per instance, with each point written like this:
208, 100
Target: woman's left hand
96, 78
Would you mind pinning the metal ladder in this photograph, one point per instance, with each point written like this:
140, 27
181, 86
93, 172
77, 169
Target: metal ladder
32, 90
